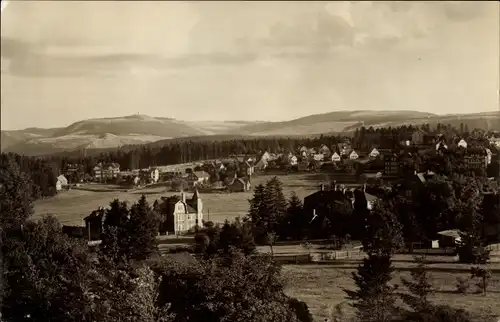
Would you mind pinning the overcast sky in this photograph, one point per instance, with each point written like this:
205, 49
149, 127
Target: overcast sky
67, 61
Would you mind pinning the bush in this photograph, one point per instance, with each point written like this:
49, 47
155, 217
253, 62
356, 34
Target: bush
301, 310
441, 313
462, 285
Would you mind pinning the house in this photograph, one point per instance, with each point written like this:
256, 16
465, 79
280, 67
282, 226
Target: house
247, 168
103, 172
441, 146
391, 165
61, 182
319, 202
181, 214
335, 157
476, 158
155, 174
374, 153
489, 156
353, 155
239, 185
462, 144
196, 178
417, 137
94, 224
264, 161
318, 157
303, 165
324, 150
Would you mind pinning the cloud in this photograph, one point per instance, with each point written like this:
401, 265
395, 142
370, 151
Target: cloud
32, 60
210, 34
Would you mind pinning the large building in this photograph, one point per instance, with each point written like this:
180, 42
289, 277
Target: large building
103, 172
181, 214
476, 158
391, 165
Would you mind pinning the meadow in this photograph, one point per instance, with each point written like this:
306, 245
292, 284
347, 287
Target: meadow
322, 287
70, 207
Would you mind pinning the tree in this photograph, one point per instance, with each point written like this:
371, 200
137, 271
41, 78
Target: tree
257, 206
275, 203
47, 275
471, 248
383, 231
301, 310
271, 240
359, 215
238, 235
17, 190
295, 222
142, 230
484, 274
420, 287
115, 241
227, 287
374, 299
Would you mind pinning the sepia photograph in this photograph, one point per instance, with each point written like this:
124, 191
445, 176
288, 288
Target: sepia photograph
250, 161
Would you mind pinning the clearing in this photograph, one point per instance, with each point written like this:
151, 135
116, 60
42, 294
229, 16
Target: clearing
70, 207
321, 287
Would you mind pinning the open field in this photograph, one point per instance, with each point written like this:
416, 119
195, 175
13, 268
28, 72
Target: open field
321, 287
70, 207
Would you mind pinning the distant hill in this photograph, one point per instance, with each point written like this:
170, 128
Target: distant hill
108, 133
105, 133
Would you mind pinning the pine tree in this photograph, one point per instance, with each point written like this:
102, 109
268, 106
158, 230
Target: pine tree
420, 287
374, 298
115, 238
276, 204
257, 205
295, 221
142, 229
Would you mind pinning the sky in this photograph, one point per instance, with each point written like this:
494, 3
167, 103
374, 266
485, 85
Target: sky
63, 62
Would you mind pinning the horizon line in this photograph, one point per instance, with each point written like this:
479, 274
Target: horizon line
228, 121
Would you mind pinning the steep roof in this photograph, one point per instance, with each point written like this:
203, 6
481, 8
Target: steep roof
201, 174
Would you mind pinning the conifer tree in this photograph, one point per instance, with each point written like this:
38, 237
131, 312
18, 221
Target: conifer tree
295, 222
142, 229
276, 204
257, 205
374, 298
115, 238
420, 287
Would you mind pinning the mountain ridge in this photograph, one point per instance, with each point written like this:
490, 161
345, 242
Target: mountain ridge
112, 132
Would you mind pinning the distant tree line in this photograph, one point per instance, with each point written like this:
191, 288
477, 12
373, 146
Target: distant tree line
41, 173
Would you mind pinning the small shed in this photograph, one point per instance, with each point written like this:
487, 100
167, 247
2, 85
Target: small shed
449, 238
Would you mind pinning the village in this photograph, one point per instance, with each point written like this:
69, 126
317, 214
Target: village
345, 168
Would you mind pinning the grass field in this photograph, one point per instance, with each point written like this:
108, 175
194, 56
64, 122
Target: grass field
321, 287
70, 207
